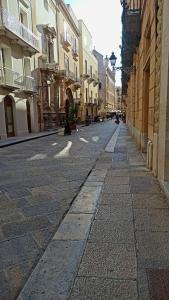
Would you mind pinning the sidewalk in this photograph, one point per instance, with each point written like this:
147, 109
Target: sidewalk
31, 136
114, 242
26, 138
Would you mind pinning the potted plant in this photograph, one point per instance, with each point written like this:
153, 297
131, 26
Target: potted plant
72, 116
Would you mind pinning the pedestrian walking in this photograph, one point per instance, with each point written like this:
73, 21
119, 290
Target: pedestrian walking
68, 104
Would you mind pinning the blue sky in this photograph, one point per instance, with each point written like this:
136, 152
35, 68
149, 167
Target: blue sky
103, 19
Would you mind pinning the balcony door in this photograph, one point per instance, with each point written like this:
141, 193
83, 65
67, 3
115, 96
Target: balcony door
9, 119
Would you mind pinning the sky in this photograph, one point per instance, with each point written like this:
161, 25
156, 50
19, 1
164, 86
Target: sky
103, 19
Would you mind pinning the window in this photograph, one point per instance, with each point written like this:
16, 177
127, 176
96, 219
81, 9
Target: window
46, 4
91, 71
100, 85
75, 72
23, 18
50, 51
65, 31
85, 66
74, 44
86, 94
66, 62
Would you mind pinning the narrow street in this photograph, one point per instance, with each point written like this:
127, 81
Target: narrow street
84, 150
38, 181
113, 243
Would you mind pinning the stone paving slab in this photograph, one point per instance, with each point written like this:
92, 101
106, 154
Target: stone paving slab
142, 284
112, 232
117, 214
152, 249
122, 200
18, 251
10, 215
151, 219
18, 228
150, 201
53, 276
94, 288
120, 188
86, 201
118, 173
74, 227
109, 260
116, 180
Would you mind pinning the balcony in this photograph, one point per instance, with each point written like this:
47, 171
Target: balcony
70, 77
14, 80
86, 75
48, 66
95, 82
75, 54
29, 84
77, 84
90, 79
60, 74
16, 31
66, 42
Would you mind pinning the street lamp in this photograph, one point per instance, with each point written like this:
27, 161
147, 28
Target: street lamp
126, 70
113, 59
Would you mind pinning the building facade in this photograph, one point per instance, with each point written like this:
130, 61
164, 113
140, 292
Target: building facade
145, 89
102, 83
89, 75
68, 37
118, 99
18, 44
139, 83
44, 52
106, 85
46, 63
110, 90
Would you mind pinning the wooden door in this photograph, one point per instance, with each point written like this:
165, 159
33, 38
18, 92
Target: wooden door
28, 116
9, 117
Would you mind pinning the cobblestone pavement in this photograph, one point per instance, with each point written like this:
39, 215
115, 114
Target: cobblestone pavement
38, 181
127, 252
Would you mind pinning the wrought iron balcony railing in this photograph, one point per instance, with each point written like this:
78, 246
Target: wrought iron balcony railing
48, 66
66, 41
75, 54
15, 29
14, 80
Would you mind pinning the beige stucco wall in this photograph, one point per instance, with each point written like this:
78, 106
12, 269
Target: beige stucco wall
41, 18
86, 54
163, 144
15, 56
141, 94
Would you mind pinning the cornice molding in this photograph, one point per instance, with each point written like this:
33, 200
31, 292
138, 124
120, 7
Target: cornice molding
65, 11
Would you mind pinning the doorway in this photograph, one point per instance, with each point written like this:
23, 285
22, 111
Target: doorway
9, 119
28, 116
146, 106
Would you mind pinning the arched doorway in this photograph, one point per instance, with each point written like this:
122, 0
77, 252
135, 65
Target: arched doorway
9, 119
28, 116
